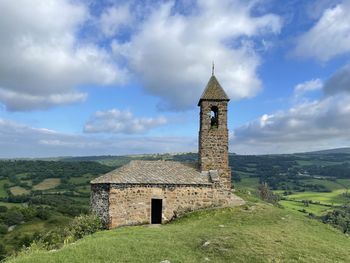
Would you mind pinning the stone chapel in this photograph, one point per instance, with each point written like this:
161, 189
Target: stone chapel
154, 192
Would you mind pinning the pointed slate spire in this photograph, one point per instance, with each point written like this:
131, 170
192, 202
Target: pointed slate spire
213, 91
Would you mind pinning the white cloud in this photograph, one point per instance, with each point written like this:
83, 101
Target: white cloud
315, 125
16, 101
49, 49
19, 140
305, 127
307, 86
329, 37
116, 121
114, 18
41, 55
171, 52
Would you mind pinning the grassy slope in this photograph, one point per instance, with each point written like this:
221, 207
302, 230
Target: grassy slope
254, 233
316, 209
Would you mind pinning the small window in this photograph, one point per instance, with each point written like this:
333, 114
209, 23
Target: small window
214, 117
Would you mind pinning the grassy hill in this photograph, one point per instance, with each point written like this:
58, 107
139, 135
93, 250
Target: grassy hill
256, 232
48, 194
344, 150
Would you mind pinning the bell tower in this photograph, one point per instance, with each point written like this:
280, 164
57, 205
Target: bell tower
213, 133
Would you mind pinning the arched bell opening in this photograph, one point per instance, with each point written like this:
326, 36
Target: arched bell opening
214, 117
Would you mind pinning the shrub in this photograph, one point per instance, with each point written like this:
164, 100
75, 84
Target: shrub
3, 209
43, 213
3, 229
80, 226
267, 195
13, 217
84, 225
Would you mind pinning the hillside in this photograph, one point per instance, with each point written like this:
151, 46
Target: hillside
344, 150
256, 232
38, 196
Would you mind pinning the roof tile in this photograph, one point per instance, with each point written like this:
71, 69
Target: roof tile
154, 172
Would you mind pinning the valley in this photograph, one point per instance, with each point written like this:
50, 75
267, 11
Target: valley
40, 195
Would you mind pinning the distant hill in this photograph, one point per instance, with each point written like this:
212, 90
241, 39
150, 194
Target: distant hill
256, 232
344, 150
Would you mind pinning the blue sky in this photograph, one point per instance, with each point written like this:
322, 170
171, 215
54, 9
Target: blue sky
124, 77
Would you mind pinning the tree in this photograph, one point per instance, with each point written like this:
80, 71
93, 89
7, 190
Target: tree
13, 217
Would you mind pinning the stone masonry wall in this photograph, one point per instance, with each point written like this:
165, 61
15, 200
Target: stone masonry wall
213, 142
131, 204
100, 202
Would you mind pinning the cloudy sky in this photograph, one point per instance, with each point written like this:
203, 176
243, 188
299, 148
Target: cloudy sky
92, 77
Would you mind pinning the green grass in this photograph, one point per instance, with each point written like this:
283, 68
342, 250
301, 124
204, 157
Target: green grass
254, 233
9, 205
316, 209
335, 197
47, 184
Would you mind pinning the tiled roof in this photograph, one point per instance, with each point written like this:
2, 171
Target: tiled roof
213, 91
154, 172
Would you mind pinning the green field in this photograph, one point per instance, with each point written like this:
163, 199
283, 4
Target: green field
254, 233
335, 197
47, 184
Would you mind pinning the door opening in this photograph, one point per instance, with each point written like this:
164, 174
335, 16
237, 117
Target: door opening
156, 211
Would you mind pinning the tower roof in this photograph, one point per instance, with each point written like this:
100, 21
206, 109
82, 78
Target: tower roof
213, 91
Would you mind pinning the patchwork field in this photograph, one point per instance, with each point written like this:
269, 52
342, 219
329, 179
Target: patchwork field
17, 190
47, 184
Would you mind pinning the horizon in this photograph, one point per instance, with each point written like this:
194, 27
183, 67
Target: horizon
118, 78
167, 153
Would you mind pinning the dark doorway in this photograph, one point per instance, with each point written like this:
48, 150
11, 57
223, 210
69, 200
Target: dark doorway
156, 211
